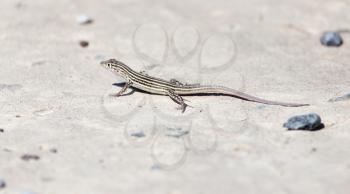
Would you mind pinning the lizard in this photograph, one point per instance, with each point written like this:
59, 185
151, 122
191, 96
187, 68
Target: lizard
175, 89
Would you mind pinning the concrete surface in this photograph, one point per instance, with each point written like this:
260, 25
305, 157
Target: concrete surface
63, 133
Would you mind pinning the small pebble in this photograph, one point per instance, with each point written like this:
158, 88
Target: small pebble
341, 98
138, 134
176, 132
7, 150
156, 167
84, 43
331, 39
27, 157
45, 147
26, 192
1, 130
10, 87
84, 19
2, 183
308, 122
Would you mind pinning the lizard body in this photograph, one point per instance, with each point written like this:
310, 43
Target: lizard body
175, 89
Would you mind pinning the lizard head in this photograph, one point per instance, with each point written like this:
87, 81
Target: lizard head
116, 67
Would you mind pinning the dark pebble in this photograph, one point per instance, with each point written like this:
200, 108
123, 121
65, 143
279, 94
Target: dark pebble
84, 43
331, 39
310, 122
2, 183
138, 134
1, 130
27, 157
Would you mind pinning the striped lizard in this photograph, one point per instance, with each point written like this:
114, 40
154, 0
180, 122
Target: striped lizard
175, 89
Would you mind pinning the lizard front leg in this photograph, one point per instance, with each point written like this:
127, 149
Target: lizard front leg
176, 82
178, 99
126, 86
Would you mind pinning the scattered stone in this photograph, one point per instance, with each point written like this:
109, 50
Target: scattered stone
341, 98
6, 150
155, 167
310, 122
27, 192
2, 183
53, 150
1, 130
84, 43
84, 19
138, 134
176, 132
45, 147
10, 87
331, 39
27, 157
18, 116
38, 63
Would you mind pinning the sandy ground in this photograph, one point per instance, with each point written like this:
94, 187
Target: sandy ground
63, 133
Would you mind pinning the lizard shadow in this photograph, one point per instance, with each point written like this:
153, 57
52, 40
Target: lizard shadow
122, 84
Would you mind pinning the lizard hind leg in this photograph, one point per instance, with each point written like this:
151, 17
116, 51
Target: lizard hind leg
178, 83
178, 99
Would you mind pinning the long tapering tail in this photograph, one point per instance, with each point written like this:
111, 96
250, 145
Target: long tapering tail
220, 90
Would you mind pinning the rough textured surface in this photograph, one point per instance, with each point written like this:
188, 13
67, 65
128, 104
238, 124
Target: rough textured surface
54, 94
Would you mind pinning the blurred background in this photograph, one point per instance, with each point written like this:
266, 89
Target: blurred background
60, 132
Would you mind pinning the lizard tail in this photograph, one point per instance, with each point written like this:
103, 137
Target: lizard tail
220, 90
